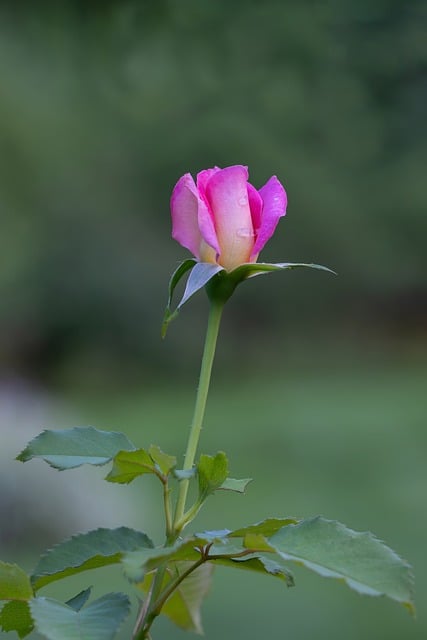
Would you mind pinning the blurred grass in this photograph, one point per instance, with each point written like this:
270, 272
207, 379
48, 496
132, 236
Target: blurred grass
348, 444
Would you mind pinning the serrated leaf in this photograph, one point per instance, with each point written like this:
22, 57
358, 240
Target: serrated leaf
332, 550
15, 616
100, 620
79, 601
183, 606
259, 564
212, 472
128, 465
234, 484
175, 278
164, 461
265, 528
85, 551
14, 583
138, 563
70, 448
256, 541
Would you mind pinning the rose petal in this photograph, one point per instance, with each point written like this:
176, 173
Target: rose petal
255, 204
203, 177
206, 217
274, 207
184, 209
227, 195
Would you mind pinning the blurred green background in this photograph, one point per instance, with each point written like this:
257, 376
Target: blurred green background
319, 388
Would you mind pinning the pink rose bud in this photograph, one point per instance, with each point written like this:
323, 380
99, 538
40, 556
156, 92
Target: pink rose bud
223, 219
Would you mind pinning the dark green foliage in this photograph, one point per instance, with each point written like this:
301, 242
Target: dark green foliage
70, 448
85, 551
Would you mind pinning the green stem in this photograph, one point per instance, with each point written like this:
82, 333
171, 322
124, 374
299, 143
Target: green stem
199, 409
153, 605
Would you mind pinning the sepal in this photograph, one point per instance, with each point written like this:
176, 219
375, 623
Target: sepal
179, 272
221, 287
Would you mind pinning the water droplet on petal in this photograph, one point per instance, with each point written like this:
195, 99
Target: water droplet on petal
243, 201
244, 232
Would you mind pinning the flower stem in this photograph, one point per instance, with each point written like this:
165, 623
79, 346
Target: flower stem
199, 409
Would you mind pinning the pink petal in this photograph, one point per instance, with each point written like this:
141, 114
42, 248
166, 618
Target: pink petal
184, 209
274, 199
205, 214
255, 204
203, 177
227, 195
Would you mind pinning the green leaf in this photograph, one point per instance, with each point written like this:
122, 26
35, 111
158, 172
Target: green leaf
359, 559
265, 528
212, 472
138, 563
183, 606
14, 583
100, 620
165, 462
15, 616
259, 564
128, 465
176, 277
233, 484
79, 601
86, 551
70, 448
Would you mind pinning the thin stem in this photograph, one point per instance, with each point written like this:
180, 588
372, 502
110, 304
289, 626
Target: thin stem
167, 508
157, 607
142, 613
199, 409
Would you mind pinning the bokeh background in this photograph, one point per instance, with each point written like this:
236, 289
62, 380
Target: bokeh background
319, 388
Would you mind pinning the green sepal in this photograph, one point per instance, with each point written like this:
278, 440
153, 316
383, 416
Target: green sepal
220, 284
99, 620
221, 287
212, 472
175, 278
71, 448
98, 548
201, 274
258, 268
